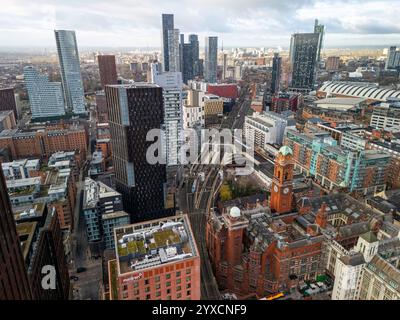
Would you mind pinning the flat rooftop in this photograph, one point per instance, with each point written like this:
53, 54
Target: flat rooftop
28, 210
135, 85
152, 243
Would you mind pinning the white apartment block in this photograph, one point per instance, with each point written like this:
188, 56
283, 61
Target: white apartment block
266, 128
45, 97
386, 116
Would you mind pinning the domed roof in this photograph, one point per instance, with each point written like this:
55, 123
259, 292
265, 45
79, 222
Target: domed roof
234, 212
285, 150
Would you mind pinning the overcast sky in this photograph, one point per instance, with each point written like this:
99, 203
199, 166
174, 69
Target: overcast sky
137, 23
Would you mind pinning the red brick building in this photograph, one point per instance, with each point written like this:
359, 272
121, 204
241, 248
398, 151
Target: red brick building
155, 260
43, 142
108, 69
229, 91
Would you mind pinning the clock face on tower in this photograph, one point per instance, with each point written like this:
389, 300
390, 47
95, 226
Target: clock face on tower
286, 190
276, 188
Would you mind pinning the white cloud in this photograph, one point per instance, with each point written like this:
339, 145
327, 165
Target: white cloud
242, 23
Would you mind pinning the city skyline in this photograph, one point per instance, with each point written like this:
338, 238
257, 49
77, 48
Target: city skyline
260, 23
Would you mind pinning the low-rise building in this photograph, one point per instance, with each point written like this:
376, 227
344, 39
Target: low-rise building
21, 169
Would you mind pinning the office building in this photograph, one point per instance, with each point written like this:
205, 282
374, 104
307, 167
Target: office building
108, 70
45, 97
213, 105
267, 127
211, 59
303, 57
276, 73
167, 24
386, 115
393, 58
14, 283
173, 51
134, 110
171, 84
155, 260
7, 101
68, 56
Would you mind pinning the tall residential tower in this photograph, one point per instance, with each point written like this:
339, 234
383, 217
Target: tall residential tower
167, 24
303, 57
211, 59
133, 111
70, 70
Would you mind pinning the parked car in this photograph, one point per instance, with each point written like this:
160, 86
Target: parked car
80, 269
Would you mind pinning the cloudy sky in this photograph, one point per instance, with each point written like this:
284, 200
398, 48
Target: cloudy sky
137, 23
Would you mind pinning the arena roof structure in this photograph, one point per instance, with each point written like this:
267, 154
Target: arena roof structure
368, 91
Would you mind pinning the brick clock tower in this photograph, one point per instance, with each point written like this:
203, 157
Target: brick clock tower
282, 181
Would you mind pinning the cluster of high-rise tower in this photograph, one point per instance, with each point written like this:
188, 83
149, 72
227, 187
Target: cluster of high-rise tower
184, 57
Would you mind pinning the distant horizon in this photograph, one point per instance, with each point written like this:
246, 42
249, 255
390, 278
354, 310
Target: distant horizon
155, 48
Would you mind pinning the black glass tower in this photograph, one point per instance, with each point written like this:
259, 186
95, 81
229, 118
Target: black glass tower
167, 24
134, 110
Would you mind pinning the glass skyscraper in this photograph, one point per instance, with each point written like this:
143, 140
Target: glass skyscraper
303, 57
210, 61
167, 24
45, 97
70, 70
194, 42
173, 50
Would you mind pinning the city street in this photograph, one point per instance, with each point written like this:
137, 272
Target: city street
198, 203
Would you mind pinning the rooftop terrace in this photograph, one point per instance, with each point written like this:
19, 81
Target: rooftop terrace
152, 243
